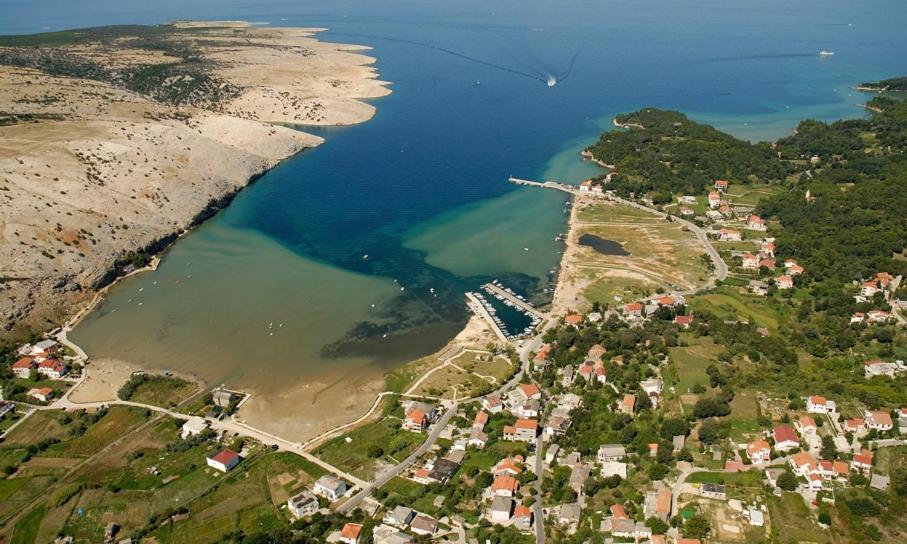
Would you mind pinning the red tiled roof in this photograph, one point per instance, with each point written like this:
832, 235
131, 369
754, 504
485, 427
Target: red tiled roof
522, 512
880, 418
633, 307
529, 389
683, 319
505, 483
818, 399
783, 433
351, 530
618, 511
225, 457
527, 424
25, 362
481, 418
803, 459
573, 319
417, 416
807, 421
756, 446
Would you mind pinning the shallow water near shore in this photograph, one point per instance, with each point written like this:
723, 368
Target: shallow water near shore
276, 293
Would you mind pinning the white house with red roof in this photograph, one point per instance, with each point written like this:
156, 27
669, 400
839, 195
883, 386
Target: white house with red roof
524, 430
878, 316
878, 367
750, 261
857, 317
878, 420
493, 404
633, 309
415, 420
43, 394
817, 404
756, 223
349, 534
504, 486
784, 282
768, 248
529, 391
721, 185
807, 426
714, 200
759, 452
869, 289
684, 321
53, 369
23, 367
785, 438
224, 460
627, 405
729, 235
803, 464
862, 462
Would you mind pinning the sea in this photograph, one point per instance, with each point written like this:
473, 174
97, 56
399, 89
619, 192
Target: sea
353, 258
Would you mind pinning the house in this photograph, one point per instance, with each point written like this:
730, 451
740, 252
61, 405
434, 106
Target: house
768, 248
678, 442
349, 534
652, 388
803, 464
611, 452
729, 235
857, 317
415, 421
330, 488
567, 376
509, 466
193, 426
750, 261
785, 438
586, 370
557, 425
529, 409
684, 321
501, 509
841, 470
862, 462
6, 407
573, 319
758, 288
869, 289
878, 420
505, 486
578, 476
795, 270
385, 534
854, 425
627, 405
480, 420
806, 425
478, 439
614, 468
878, 367
422, 476
585, 186
23, 367
784, 282
759, 452
667, 300
541, 358
45, 347
772, 475
443, 470
400, 517
878, 316
522, 518
633, 309
53, 369
687, 199
568, 514
756, 223
224, 460
493, 404
713, 491
43, 394
302, 504
721, 185
524, 430
551, 453
658, 504
424, 525
767, 263
817, 404
222, 397
686, 211
529, 391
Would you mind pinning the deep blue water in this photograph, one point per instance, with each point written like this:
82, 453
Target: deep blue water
470, 106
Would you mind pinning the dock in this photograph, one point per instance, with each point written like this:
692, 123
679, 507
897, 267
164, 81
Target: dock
508, 295
479, 309
564, 187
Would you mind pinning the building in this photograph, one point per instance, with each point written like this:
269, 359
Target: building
522, 518
480, 420
400, 517
759, 451
415, 420
878, 420
862, 462
756, 223
750, 261
222, 398
349, 534
302, 504
505, 486
501, 509
684, 321
854, 425
803, 464
658, 504
721, 185
330, 488
23, 367
729, 235
524, 430
573, 319
633, 309
869, 289
817, 404
784, 282
614, 468
224, 460
785, 438
759, 288
627, 405
529, 391
424, 525
878, 367
43, 394
714, 200
713, 491
443, 470
509, 466
193, 426
385, 534
53, 369
493, 404
611, 452
806, 425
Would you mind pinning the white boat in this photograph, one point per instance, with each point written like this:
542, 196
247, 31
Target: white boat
825, 53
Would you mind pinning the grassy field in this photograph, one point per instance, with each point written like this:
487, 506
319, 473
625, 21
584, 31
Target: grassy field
691, 361
662, 254
165, 391
792, 521
353, 456
728, 303
118, 421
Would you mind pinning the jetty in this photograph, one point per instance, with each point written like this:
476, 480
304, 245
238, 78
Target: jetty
508, 295
478, 308
565, 187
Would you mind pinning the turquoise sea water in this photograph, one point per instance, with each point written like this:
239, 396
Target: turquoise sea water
276, 290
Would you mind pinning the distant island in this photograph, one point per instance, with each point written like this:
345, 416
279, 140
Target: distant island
145, 131
893, 84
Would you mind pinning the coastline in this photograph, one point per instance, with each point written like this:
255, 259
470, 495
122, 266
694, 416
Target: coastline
195, 159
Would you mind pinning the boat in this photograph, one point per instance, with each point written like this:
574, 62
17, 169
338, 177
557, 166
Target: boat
825, 53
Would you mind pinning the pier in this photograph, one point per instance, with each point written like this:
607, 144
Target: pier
567, 188
510, 296
479, 309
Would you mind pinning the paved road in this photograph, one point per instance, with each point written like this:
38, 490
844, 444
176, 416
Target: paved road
538, 513
396, 470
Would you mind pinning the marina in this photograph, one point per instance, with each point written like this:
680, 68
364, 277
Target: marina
511, 317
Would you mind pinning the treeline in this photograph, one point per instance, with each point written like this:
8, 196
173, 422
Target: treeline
665, 153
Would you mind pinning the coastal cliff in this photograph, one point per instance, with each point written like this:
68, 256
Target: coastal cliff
114, 140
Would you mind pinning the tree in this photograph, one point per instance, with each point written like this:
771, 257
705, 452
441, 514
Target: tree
829, 450
658, 527
698, 526
899, 482
674, 427
374, 451
787, 481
